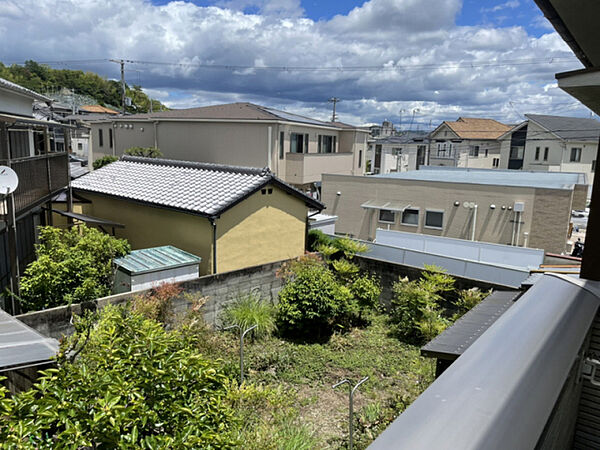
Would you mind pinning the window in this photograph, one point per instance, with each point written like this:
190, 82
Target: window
410, 217
496, 162
100, 138
79, 146
575, 154
359, 159
486, 152
18, 141
298, 143
396, 151
474, 151
593, 165
110, 137
516, 152
537, 153
546, 154
281, 142
326, 143
434, 219
385, 215
39, 142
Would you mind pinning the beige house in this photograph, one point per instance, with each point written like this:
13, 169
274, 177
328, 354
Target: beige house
467, 142
552, 144
500, 206
232, 217
295, 148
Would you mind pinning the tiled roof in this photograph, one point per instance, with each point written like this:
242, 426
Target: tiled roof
201, 188
5, 84
472, 128
570, 128
233, 111
98, 109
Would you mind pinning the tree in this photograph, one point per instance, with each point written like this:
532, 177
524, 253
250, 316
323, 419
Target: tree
105, 160
72, 266
146, 152
133, 384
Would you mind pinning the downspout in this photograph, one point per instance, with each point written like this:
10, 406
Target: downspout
512, 240
474, 223
156, 134
269, 145
518, 227
214, 226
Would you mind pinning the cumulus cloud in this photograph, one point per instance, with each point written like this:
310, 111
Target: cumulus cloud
425, 61
511, 4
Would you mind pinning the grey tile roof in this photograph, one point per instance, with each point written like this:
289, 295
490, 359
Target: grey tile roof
201, 188
9, 85
569, 128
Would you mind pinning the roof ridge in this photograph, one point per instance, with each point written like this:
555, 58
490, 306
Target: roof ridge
264, 171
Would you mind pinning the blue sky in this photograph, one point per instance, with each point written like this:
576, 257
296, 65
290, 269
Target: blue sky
440, 59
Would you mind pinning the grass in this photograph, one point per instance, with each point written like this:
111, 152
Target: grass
289, 402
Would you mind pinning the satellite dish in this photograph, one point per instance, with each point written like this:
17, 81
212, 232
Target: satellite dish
9, 180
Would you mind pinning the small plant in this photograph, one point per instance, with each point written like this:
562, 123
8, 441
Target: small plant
157, 304
105, 160
467, 299
345, 269
350, 247
327, 250
146, 152
317, 238
366, 291
248, 310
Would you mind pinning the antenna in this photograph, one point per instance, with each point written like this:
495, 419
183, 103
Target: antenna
333, 100
9, 180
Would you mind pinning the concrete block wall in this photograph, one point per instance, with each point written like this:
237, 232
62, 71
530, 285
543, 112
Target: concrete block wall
221, 289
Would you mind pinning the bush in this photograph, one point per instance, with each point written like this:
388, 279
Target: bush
350, 247
366, 291
133, 385
317, 238
157, 304
311, 301
105, 160
146, 152
467, 299
415, 307
72, 266
248, 310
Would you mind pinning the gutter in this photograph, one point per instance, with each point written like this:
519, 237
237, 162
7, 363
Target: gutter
214, 225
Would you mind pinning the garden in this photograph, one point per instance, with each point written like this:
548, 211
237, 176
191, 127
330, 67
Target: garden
140, 376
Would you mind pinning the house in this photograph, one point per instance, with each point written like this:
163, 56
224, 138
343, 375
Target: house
397, 153
37, 151
467, 142
297, 149
530, 209
552, 143
97, 109
230, 216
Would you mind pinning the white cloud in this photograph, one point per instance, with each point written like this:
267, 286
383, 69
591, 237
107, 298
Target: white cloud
511, 4
431, 64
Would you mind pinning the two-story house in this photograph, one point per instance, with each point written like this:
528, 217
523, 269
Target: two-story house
37, 151
389, 154
552, 144
297, 149
467, 142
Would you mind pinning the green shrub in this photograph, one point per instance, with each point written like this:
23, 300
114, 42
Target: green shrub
317, 238
132, 385
248, 310
105, 160
415, 307
350, 247
345, 269
72, 266
366, 291
157, 304
311, 301
467, 299
146, 152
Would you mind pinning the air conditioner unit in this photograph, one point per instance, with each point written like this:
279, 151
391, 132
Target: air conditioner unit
519, 206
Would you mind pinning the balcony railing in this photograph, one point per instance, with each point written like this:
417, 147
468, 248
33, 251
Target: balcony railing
39, 178
303, 168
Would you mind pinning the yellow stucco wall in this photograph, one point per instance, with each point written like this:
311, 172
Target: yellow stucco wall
261, 229
146, 226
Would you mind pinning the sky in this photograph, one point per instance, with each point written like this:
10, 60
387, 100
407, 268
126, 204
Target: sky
413, 62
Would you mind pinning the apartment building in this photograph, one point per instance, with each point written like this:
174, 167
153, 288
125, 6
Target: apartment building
552, 144
499, 206
297, 149
467, 142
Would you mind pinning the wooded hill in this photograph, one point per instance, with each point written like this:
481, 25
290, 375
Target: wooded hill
42, 79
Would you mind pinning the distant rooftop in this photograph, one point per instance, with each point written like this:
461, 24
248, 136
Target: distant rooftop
548, 180
199, 188
9, 85
476, 128
97, 109
234, 111
569, 128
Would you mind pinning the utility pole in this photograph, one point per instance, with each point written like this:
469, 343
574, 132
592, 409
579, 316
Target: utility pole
333, 100
122, 63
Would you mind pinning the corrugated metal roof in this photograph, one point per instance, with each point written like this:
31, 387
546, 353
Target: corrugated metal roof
548, 180
202, 188
155, 259
22, 346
